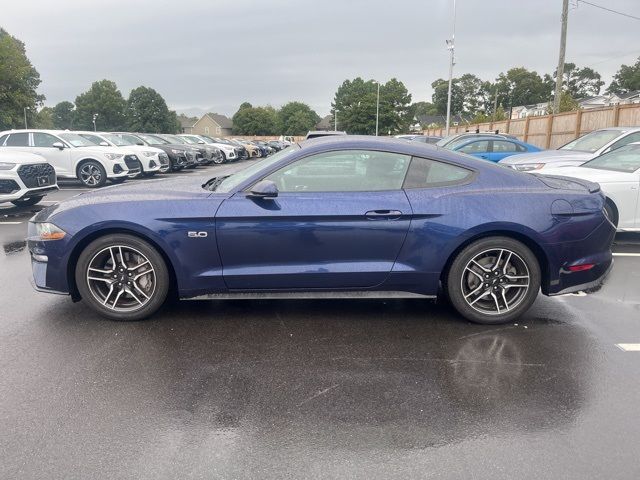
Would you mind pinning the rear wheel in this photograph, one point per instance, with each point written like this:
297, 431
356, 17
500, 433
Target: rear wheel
122, 277
92, 174
493, 280
27, 202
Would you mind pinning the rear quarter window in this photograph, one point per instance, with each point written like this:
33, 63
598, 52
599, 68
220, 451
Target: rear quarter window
425, 173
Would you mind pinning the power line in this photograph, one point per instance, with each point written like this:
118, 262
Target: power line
610, 10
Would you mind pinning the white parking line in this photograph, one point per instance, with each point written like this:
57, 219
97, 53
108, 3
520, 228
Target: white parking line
626, 254
10, 223
629, 347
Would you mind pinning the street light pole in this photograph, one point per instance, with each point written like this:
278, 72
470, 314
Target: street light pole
377, 108
25, 117
451, 46
335, 119
95, 115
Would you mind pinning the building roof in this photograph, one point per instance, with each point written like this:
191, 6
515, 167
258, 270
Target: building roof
224, 122
438, 119
186, 122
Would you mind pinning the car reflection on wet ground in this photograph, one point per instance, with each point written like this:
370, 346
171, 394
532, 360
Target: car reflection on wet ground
317, 389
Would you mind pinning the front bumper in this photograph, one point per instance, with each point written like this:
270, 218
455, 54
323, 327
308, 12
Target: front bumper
15, 186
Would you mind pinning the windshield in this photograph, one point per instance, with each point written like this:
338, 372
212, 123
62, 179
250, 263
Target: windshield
232, 181
76, 140
592, 141
174, 139
443, 141
189, 139
153, 140
117, 140
206, 140
624, 159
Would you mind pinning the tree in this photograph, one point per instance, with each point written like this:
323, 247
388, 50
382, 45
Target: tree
477, 95
520, 86
297, 118
355, 102
580, 82
105, 99
441, 94
173, 124
44, 119
567, 103
19, 81
147, 111
63, 115
626, 79
250, 120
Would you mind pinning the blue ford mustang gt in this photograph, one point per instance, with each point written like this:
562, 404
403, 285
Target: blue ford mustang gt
333, 217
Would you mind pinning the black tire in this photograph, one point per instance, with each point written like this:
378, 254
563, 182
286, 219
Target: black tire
102, 253
611, 212
27, 202
119, 180
91, 174
489, 293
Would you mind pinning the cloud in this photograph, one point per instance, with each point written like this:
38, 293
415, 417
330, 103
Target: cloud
215, 55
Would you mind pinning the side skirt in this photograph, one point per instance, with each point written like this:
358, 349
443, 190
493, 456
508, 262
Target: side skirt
306, 295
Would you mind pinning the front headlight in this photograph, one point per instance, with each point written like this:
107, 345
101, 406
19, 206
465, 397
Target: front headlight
148, 154
6, 166
114, 156
527, 167
48, 231
176, 152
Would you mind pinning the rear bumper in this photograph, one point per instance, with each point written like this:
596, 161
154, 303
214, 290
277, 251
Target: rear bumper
594, 250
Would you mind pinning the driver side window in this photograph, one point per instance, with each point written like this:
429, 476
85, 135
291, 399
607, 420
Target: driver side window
44, 140
343, 171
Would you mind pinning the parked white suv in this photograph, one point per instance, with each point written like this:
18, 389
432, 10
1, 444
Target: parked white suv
25, 178
152, 159
73, 156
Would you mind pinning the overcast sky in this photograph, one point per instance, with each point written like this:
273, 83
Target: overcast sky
214, 54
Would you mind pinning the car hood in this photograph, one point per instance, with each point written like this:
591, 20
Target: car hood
8, 156
99, 149
161, 190
547, 156
142, 148
590, 174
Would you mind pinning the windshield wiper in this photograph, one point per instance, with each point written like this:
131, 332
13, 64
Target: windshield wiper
212, 184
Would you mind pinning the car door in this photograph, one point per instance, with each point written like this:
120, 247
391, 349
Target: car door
339, 221
477, 148
59, 158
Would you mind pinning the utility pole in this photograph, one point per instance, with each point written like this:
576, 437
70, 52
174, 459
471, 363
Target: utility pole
377, 108
451, 46
335, 119
563, 47
25, 117
495, 105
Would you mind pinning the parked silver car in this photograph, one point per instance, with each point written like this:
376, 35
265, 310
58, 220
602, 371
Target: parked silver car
576, 152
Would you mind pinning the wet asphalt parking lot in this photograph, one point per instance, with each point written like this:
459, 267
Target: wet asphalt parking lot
316, 389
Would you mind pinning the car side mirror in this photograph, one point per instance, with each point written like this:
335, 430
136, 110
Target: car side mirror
201, 142
58, 145
104, 144
140, 143
264, 189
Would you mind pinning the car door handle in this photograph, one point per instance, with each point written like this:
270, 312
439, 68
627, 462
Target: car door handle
383, 214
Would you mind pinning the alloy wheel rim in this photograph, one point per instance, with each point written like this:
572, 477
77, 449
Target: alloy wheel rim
495, 281
121, 278
90, 174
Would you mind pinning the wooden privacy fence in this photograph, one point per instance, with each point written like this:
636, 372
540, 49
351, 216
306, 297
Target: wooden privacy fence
553, 131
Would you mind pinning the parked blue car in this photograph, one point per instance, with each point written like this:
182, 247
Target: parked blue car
494, 149
340, 216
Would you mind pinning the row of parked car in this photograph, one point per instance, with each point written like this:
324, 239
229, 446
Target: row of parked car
609, 157
31, 161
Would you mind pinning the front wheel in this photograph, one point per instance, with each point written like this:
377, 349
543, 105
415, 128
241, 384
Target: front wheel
220, 159
122, 277
27, 202
92, 174
494, 280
